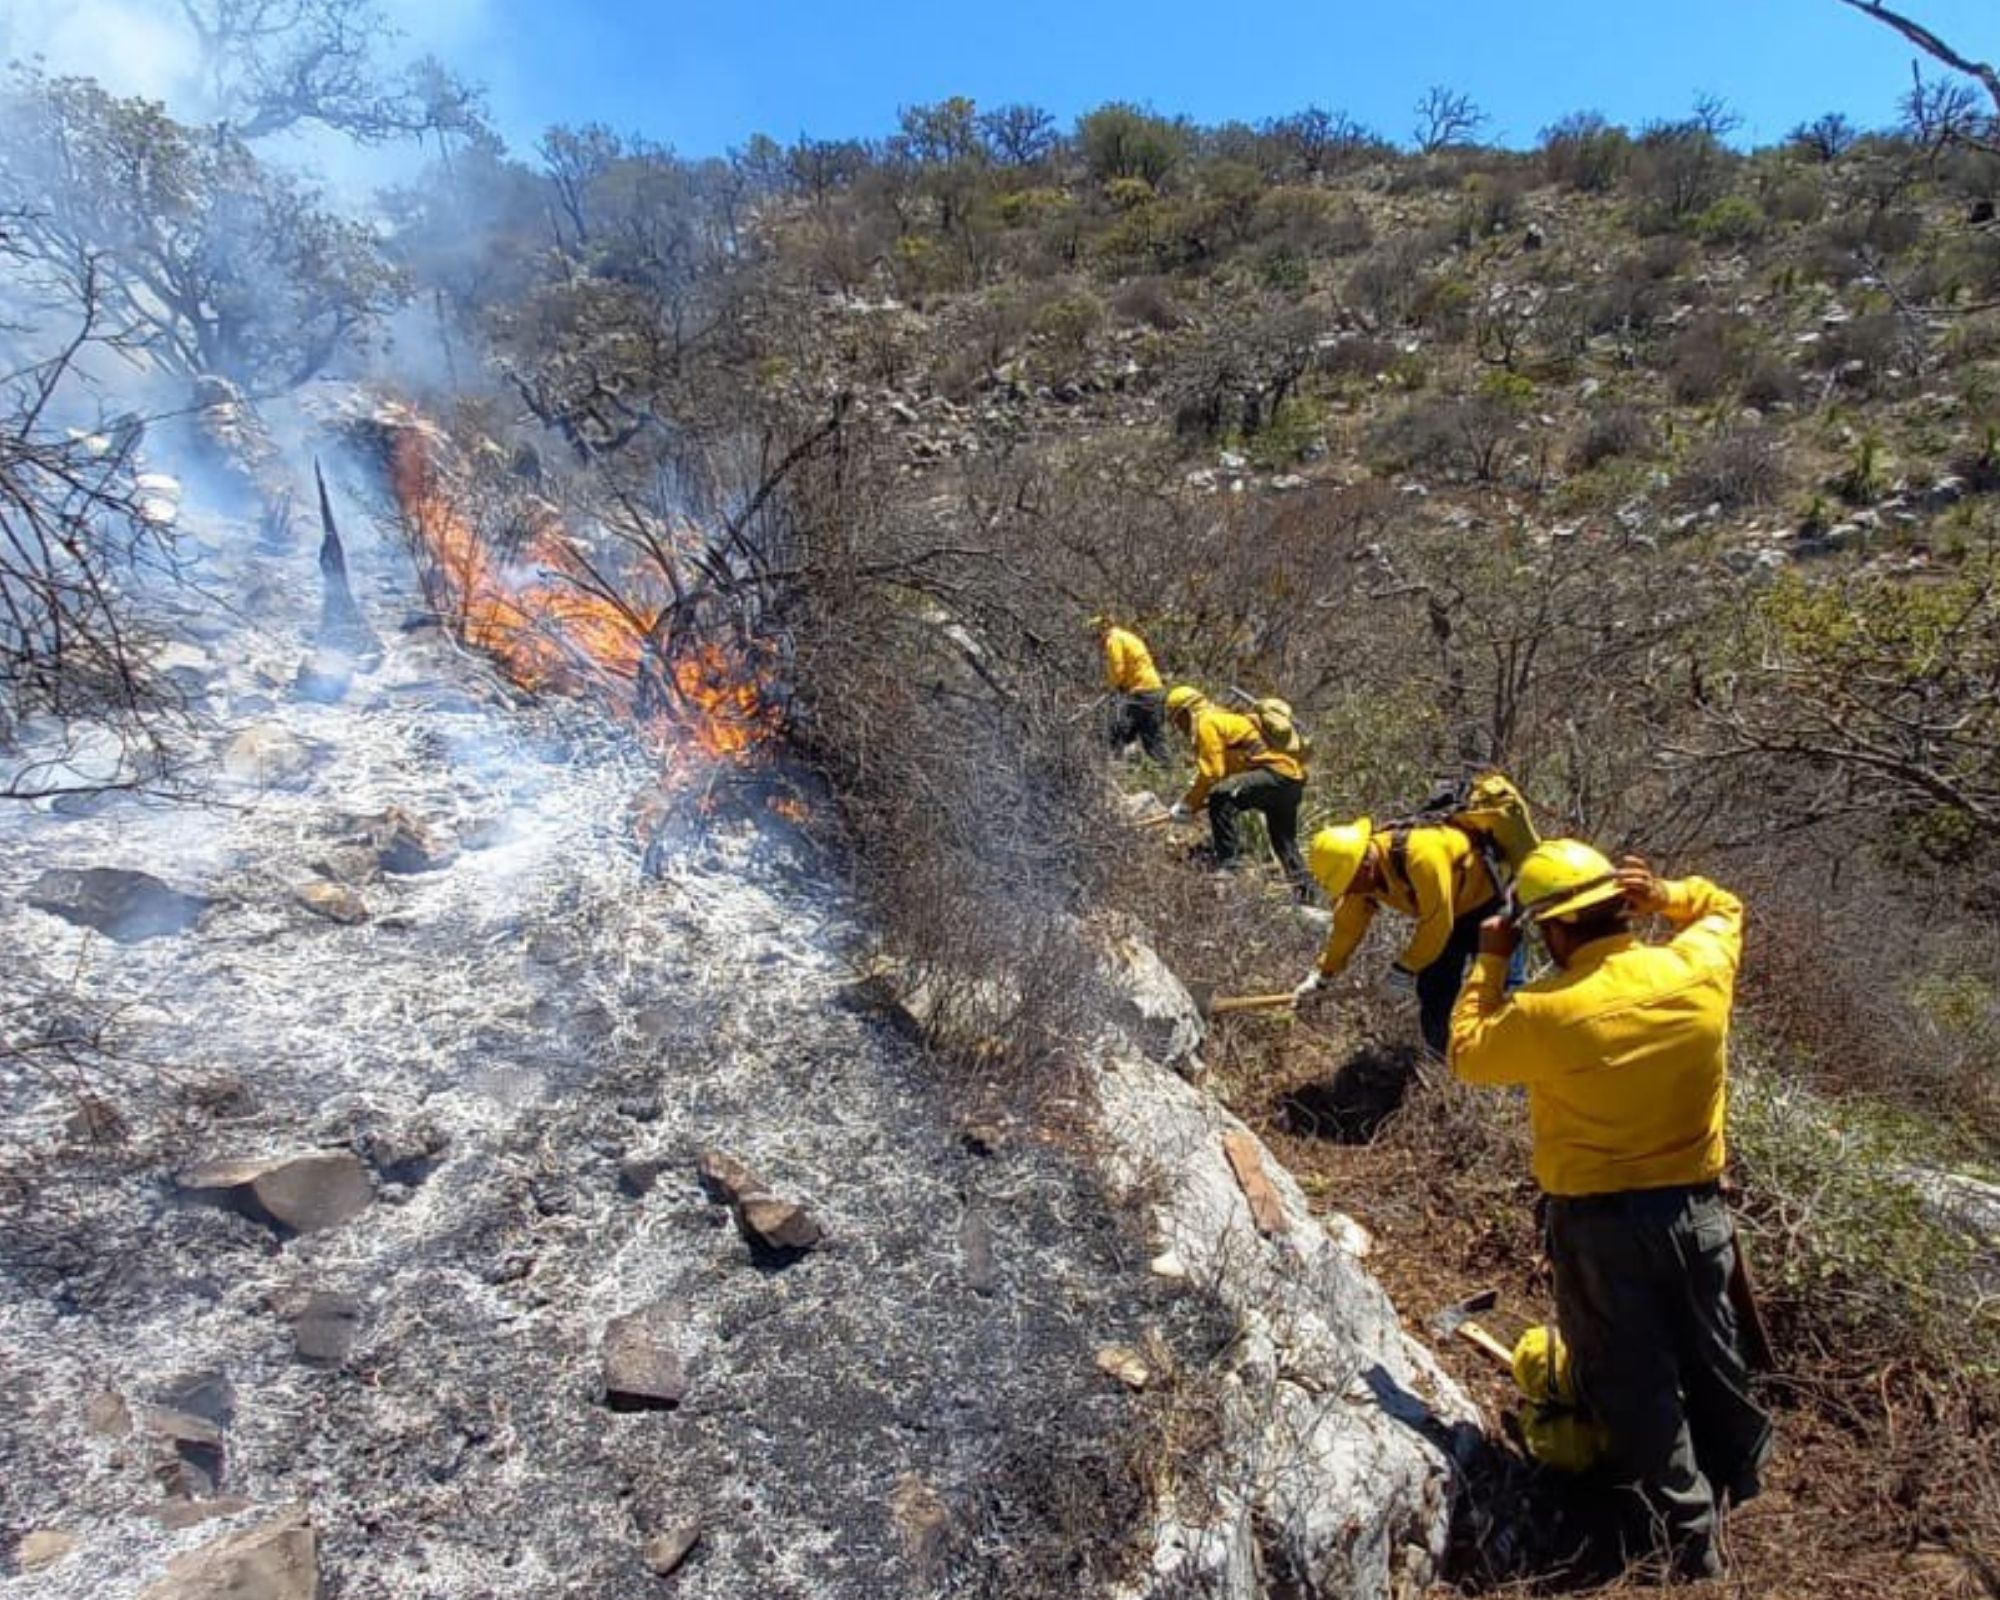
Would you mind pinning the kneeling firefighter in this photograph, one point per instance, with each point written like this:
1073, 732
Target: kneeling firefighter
1239, 768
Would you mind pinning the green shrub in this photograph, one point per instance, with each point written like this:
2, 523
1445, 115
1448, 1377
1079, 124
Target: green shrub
1067, 321
1735, 219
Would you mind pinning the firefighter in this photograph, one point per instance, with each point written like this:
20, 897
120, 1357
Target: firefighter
1623, 1048
1433, 873
1138, 700
1237, 770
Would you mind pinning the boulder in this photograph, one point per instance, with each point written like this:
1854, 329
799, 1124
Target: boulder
278, 1561
302, 1194
118, 902
643, 1369
336, 902
267, 757
405, 844
777, 1230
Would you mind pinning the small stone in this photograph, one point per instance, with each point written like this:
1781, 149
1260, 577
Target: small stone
278, 1561
43, 1548
726, 1179
666, 1551
336, 902
975, 1244
1127, 1365
325, 1328
1168, 1264
777, 1229
305, 1194
107, 1415
638, 1174
642, 1368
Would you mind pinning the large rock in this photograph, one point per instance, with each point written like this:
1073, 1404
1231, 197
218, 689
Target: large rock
406, 844
324, 1327
643, 1368
118, 902
336, 902
777, 1230
278, 1561
303, 1194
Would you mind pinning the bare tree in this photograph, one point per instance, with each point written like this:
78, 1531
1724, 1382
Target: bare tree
1020, 135
1715, 116
1446, 117
75, 534
1939, 111
1826, 138
269, 65
198, 253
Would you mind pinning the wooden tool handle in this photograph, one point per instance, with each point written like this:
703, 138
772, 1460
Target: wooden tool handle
1485, 1344
1250, 1002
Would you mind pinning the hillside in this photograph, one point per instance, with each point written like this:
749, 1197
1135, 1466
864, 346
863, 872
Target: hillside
725, 533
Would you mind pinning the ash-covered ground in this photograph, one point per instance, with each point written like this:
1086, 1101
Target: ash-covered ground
527, 1047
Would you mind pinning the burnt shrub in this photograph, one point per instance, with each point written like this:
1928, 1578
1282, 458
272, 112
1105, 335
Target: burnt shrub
1707, 356
1619, 430
1738, 468
1148, 303
1635, 294
1768, 380
1862, 350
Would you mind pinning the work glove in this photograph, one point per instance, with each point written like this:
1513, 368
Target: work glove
1313, 982
1399, 981
1180, 813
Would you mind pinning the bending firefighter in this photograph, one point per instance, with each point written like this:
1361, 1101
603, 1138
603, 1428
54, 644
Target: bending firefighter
1237, 770
1623, 1051
1138, 701
1433, 873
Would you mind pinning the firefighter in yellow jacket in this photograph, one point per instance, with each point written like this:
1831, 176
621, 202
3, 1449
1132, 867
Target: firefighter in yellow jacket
1623, 1049
1432, 873
1238, 770
1138, 698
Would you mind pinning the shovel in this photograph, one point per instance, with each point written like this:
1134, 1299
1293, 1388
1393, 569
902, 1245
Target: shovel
1211, 1004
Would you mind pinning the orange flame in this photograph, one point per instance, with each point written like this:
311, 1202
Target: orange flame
550, 626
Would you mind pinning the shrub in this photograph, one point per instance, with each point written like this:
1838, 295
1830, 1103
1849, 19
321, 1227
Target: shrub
1585, 153
1358, 357
1768, 380
1633, 295
1121, 141
1067, 321
1735, 219
1708, 355
1148, 303
1679, 170
1869, 345
1743, 467
1465, 436
1620, 430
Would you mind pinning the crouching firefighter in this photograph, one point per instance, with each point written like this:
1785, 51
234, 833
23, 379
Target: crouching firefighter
1239, 769
1623, 1050
1138, 699
1433, 873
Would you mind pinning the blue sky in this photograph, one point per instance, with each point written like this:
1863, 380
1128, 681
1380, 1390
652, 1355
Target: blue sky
704, 77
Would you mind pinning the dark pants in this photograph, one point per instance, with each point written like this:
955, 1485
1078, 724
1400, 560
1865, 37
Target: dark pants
1438, 984
1143, 717
1642, 1297
1278, 797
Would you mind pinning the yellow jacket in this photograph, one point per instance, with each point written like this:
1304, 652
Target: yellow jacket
1623, 1051
1443, 878
1226, 743
1128, 664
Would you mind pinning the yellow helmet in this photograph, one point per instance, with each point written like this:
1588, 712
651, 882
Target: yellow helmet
1561, 877
1183, 698
1335, 855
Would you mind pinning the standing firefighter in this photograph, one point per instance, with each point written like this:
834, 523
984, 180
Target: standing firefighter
1442, 869
1623, 1049
1138, 701
1243, 763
